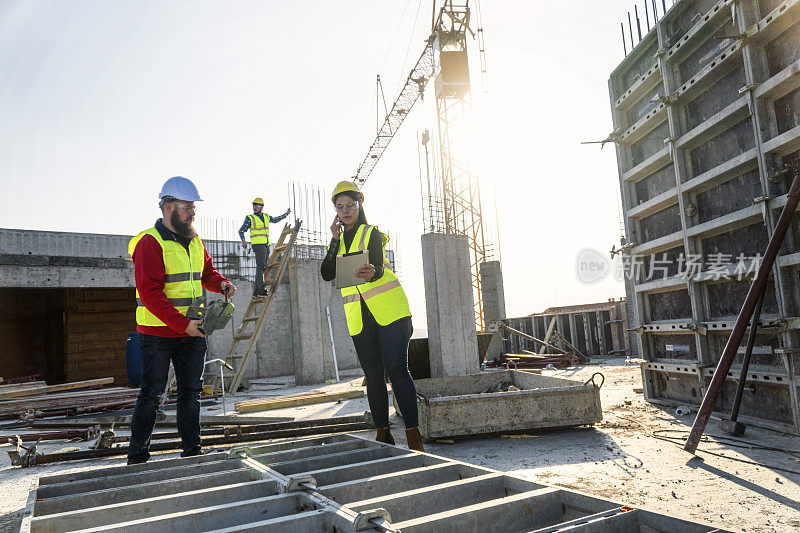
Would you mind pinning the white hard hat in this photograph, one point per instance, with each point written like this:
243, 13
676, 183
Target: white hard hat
180, 188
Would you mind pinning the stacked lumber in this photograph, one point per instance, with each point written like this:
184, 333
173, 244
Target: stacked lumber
295, 400
37, 399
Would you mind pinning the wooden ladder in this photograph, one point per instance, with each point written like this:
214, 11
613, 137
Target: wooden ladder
256, 315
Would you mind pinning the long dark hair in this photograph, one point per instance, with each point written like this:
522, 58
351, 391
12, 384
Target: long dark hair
362, 218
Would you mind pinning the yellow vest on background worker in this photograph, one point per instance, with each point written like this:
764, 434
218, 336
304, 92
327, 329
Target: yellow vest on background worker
385, 297
183, 276
259, 229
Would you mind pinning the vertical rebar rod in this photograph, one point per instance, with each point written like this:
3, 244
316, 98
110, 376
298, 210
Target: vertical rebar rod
624, 46
647, 15
638, 24
630, 29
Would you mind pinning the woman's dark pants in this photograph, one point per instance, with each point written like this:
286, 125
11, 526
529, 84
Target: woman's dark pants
382, 348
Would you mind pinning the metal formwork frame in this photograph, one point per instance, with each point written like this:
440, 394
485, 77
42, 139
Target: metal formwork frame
743, 33
335, 483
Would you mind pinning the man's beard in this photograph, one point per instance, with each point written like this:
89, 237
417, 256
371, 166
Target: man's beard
184, 229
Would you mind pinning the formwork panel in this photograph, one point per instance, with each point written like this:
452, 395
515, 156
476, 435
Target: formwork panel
677, 346
700, 57
727, 145
724, 299
787, 111
642, 106
759, 400
664, 222
648, 145
714, 99
763, 356
669, 305
654, 184
748, 240
678, 387
783, 50
661, 265
729, 196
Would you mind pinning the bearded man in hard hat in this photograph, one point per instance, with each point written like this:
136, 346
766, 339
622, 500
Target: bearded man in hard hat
258, 225
171, 267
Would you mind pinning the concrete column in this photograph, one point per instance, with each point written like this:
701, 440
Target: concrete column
452, 340
494, 301
313, 359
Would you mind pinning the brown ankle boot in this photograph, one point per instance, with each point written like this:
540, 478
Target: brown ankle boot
384, 435
414, 440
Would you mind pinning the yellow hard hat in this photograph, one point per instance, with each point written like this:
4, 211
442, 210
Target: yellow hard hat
259, 201
346, 186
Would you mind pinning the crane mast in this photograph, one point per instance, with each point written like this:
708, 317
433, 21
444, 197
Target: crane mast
444, 59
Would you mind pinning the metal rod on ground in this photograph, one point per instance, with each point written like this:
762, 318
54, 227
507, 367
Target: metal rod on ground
221, 363
531, 338
333, 346
213, 441
756, 289
732, 426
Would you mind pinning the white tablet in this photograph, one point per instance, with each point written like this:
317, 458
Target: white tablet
346, 266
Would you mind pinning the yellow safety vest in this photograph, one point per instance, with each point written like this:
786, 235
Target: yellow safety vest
259, 229
183, 276
385, 297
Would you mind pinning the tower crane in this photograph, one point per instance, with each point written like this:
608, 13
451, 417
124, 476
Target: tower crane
444, 59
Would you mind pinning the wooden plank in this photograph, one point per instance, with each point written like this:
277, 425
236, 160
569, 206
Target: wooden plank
26, 385
279, 403
55, 388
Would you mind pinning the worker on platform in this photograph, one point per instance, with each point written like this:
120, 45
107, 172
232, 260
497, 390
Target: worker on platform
258, 225
378, 316
171, 267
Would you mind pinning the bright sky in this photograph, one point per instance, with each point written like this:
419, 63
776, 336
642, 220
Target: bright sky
102, 100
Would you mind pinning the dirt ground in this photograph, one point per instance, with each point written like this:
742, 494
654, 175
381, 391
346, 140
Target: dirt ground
633, 456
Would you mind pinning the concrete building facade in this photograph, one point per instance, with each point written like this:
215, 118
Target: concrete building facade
706, 112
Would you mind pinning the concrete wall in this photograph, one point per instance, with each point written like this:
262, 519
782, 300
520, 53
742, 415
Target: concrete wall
295, 339
698, 175
452, 340
493, 292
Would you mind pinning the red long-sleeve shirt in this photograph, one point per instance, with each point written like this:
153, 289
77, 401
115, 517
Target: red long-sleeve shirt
148, 262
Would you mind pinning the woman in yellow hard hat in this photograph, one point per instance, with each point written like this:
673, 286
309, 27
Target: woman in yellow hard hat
378, 316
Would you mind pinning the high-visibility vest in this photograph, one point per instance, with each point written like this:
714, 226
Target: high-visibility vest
384, 298
259, 229
183, 274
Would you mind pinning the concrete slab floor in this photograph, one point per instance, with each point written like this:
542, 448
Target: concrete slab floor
617, 459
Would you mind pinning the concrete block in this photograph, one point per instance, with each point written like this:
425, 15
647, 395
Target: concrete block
449, 304
457, 406
493, 293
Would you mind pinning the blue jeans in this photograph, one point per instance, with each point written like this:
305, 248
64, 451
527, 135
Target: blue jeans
382, 348
187, 355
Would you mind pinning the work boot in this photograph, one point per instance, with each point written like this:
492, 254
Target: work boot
414, 440
384, 435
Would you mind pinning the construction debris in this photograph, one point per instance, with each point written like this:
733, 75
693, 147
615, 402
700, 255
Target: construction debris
295, 400
27, 456
32, 391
